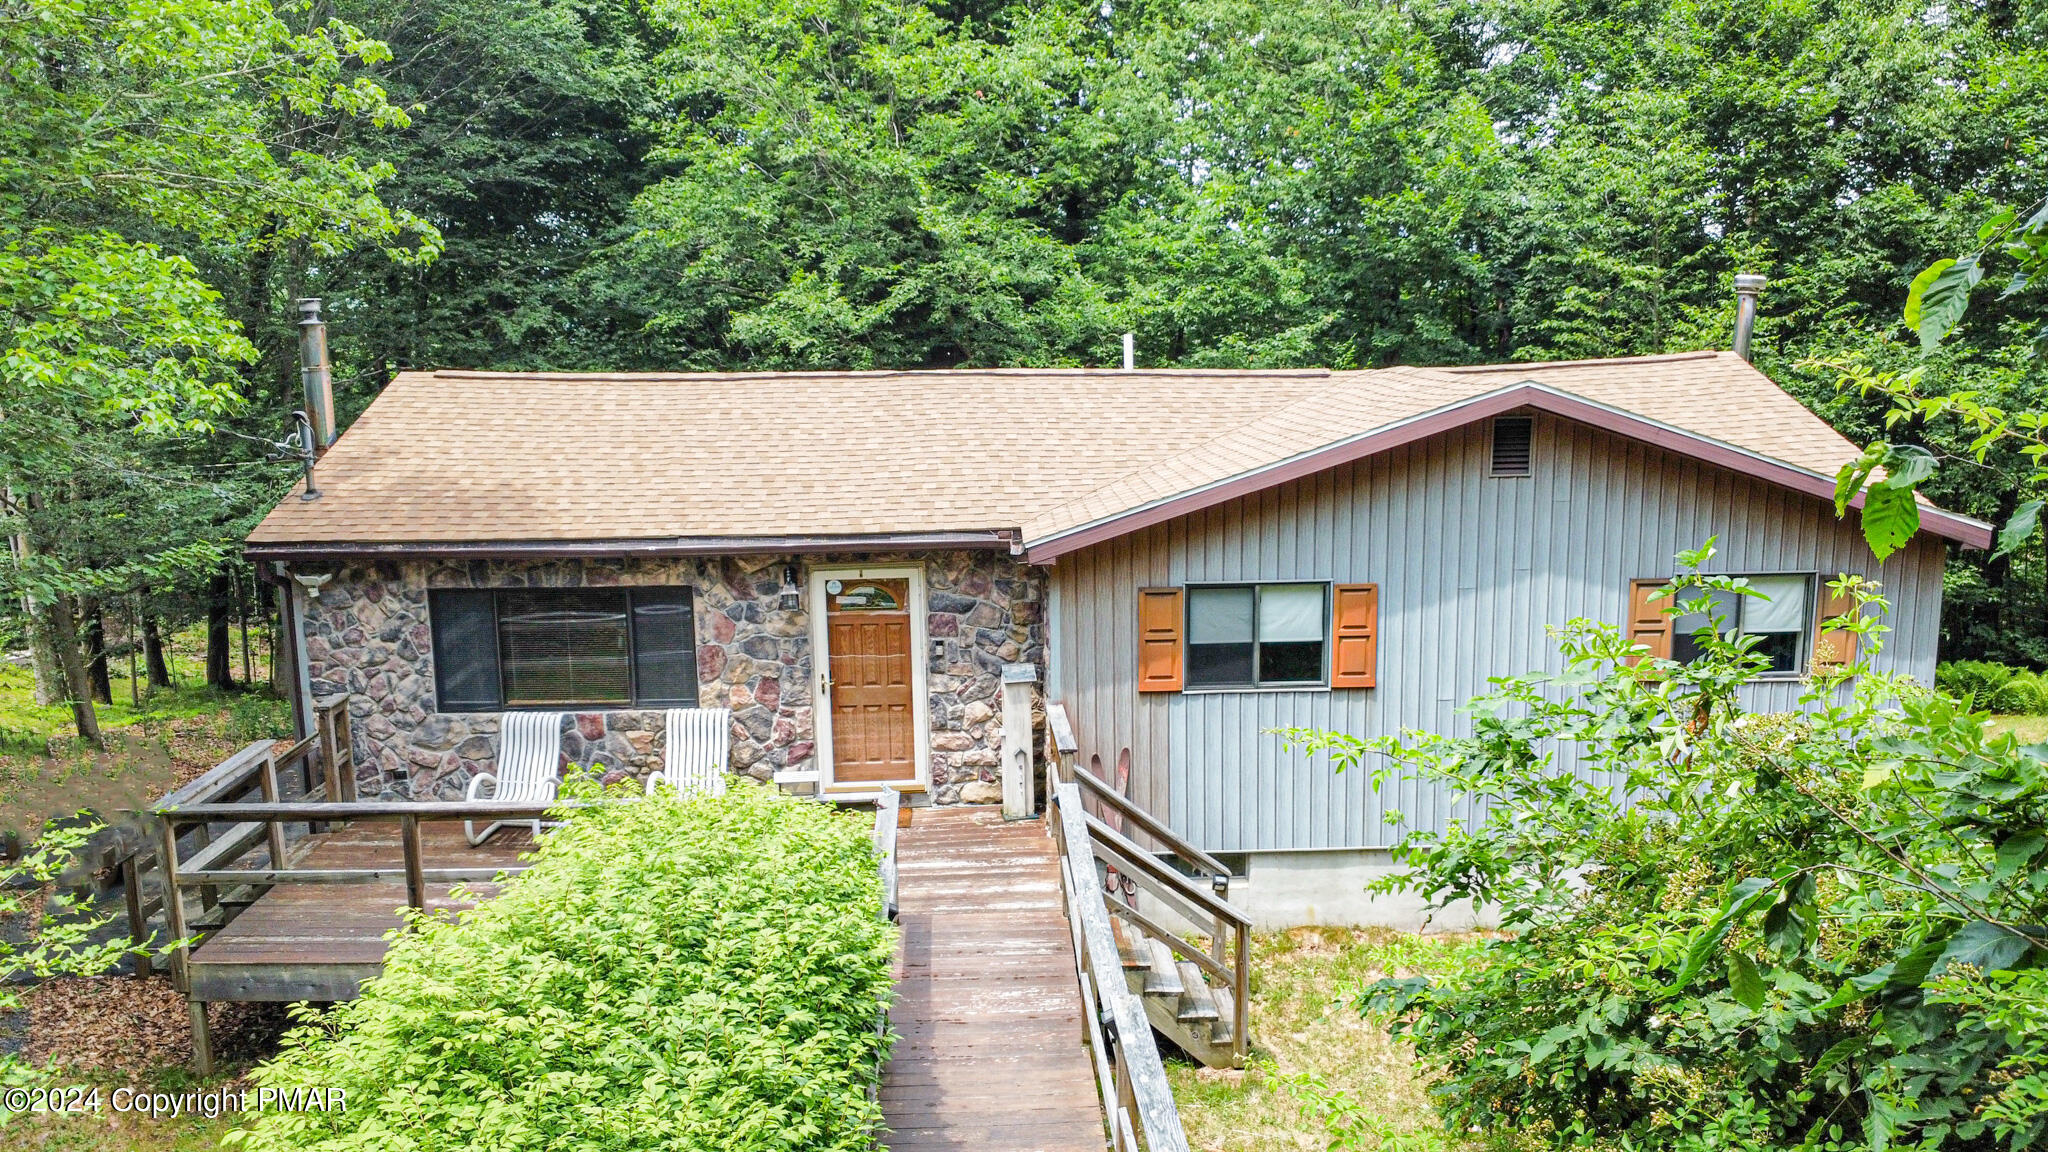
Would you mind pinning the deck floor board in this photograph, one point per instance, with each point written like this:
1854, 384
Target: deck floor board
312, 925
989, 1053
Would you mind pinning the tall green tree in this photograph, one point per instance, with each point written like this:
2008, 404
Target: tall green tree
134, 137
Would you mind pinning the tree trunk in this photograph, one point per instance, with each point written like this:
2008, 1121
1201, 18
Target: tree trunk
219, 614
273, 615
153, 654
42, 657
49, 677
56, 618
242, 623
97, 678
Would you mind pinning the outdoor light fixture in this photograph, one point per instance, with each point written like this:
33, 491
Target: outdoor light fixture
792, 599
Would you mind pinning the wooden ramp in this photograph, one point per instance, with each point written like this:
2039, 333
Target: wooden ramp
990, 1052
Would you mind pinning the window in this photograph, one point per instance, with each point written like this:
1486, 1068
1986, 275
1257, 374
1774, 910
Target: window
1512, 436
1777, 618
1255, 635
498, 648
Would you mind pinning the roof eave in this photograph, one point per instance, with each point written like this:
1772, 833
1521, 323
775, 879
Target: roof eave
1964, 530
669, 546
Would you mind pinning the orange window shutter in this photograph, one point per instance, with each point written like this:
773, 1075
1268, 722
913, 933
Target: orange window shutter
1836, 647
1354, 635
1647, 623
1159, 639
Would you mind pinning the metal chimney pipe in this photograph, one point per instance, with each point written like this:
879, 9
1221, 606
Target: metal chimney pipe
1747, 285
1130, 351
315, 374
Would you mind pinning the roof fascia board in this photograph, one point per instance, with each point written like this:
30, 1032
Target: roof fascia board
1526, 394
666, 546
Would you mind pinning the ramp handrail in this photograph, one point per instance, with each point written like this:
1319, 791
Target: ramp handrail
1135, 1092
1197, 891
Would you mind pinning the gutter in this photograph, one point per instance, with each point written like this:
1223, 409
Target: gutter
1007, 539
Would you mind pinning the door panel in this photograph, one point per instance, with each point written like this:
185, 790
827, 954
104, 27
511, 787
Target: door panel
867, 626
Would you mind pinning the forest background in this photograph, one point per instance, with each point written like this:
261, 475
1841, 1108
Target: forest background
787, 184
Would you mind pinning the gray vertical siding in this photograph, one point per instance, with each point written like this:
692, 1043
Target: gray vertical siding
1472, 570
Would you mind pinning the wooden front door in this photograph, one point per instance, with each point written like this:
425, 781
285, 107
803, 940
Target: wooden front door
867, 629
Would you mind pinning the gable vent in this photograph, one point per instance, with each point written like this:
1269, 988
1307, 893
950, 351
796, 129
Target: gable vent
1511, 436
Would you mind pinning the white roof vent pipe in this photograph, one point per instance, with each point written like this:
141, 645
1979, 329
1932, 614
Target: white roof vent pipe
1130, 351
1747, 286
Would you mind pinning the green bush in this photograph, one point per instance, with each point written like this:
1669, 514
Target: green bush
670, 974
1998, 687
1817, 930
2024, 694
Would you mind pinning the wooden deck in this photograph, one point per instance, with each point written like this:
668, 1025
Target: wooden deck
320, 941
989, 1054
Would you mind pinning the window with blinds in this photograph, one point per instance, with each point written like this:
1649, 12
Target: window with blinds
1256, 635
503, 648
1775, 621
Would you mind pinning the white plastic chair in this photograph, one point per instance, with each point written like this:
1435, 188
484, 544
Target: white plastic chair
529, 759
698, 740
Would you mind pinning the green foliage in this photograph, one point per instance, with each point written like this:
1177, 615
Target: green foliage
699, 973
1976, 678
1813, 930
55, 936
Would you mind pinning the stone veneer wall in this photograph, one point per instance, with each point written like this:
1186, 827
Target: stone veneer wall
368, 636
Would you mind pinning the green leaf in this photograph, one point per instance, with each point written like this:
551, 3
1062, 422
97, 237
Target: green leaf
1985, 946
1849, 480
1906, 466
1793, 922
1744, 899
1938, 297
1745, 981
1841, 1050
1910, 969
2017, 853
2018, 530
1890, 518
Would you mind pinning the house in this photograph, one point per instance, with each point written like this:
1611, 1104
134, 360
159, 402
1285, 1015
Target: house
1188, 559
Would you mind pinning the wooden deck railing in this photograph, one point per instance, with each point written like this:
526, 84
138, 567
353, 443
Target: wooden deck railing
1196, 891
325, 770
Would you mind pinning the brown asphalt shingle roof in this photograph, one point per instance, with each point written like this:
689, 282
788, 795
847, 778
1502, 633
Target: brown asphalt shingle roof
444, 457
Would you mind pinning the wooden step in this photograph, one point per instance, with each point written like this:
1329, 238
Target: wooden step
1127, 945
1196, 1002
1223, 1031
1162, 978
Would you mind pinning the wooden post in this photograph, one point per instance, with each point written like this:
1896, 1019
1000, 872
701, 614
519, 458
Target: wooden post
202, 1038
1242, 997
274, 829
138, 928
330, 756
1017, 682
181, 978
415, 879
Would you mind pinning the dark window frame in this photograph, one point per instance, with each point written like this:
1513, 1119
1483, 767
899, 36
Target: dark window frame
1802, 645
636, 698
1191, 681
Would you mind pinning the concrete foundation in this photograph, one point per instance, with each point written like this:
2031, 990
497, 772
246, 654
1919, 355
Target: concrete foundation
1290, 889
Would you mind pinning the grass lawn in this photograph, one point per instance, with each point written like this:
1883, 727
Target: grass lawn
1321, 1075
154, 741
2028, 728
